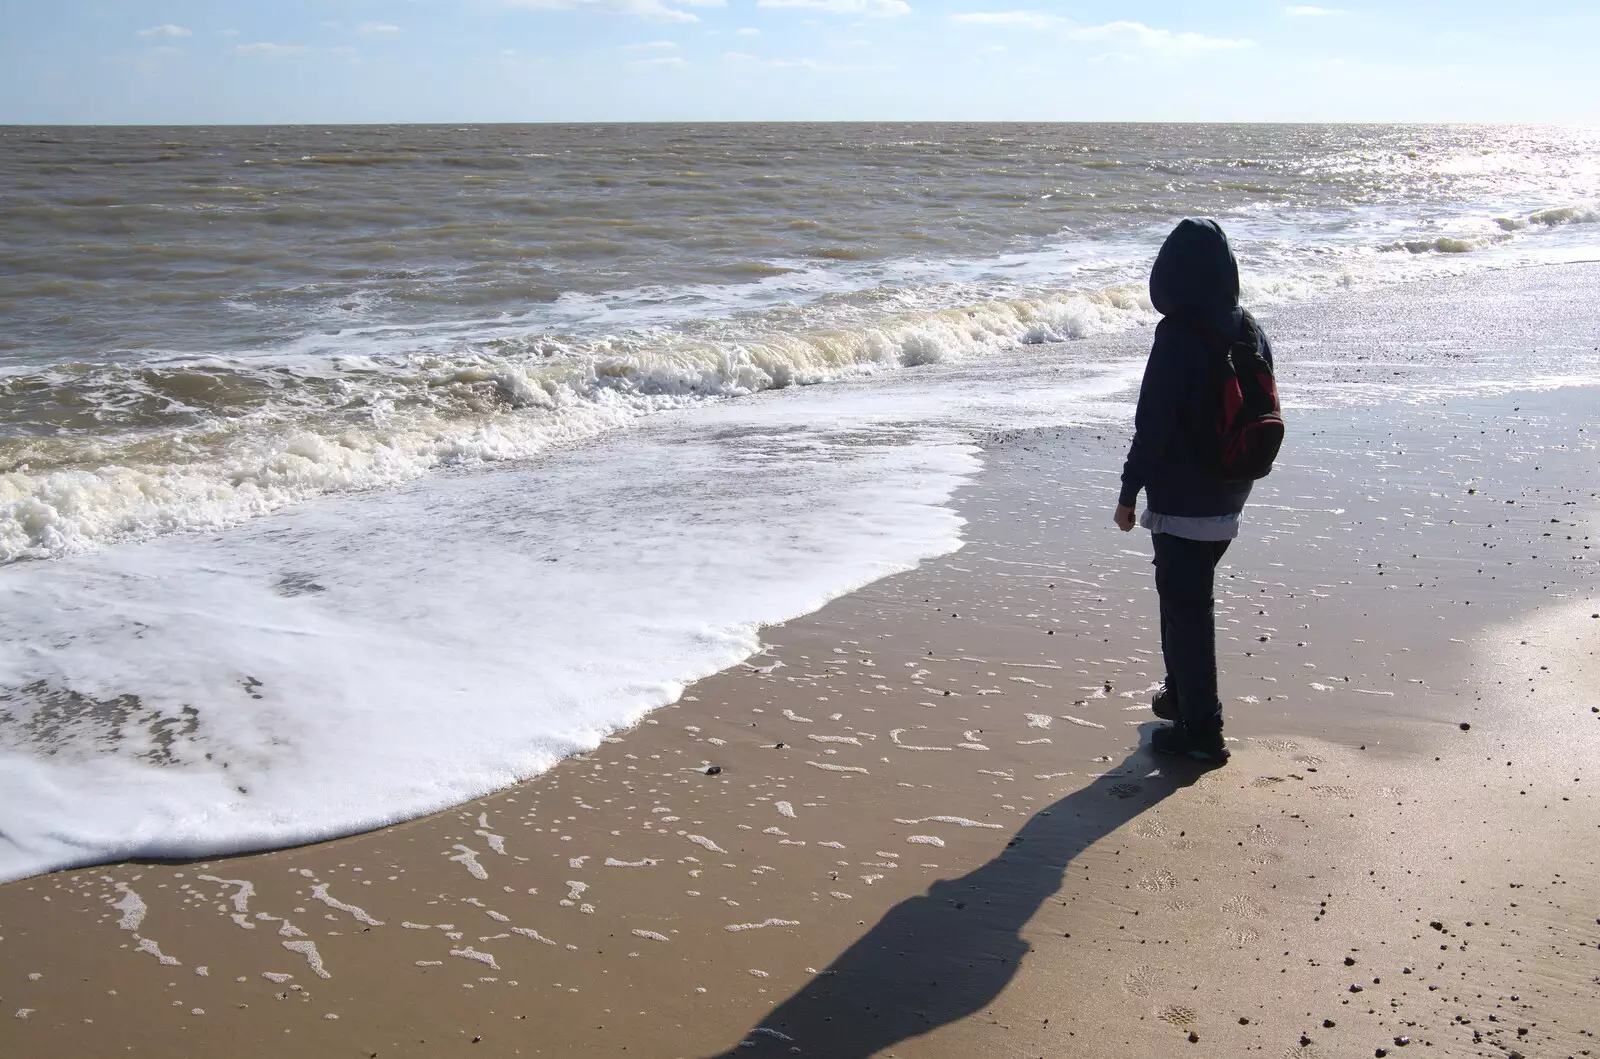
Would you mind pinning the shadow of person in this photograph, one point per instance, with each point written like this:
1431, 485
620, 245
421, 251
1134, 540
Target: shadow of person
938, 957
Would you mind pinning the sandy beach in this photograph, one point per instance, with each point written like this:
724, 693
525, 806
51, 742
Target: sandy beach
921, 824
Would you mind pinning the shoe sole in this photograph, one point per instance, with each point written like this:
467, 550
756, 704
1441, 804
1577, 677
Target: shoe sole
1199, 757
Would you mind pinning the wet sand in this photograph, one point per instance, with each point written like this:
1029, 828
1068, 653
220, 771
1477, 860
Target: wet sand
921, 824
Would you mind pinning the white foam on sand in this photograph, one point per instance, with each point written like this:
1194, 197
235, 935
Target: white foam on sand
735, 928
959, 821
320, 892
132, 907
371, 658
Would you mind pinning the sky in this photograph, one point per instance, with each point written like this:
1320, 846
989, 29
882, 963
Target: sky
334, 61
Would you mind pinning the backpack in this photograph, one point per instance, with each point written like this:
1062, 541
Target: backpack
1246, 428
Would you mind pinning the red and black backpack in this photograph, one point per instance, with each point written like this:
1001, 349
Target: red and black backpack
1246, 423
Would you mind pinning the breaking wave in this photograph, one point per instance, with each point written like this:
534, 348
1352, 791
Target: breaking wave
201, 445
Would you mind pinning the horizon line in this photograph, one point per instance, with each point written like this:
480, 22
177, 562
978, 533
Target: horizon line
779, 121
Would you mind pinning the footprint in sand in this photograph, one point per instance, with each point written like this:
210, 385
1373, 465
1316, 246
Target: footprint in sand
1139, 982
1147, 828
1244, 906
1179, 1016
1307, 759
1280, 746
1267, 781
1259, 836
1125, 790
1242, 935
1334, 792
1158, 883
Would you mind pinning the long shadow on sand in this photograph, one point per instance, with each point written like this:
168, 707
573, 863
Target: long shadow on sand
939, 957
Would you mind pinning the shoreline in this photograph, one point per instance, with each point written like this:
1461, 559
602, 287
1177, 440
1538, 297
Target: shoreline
257, 625
913, 715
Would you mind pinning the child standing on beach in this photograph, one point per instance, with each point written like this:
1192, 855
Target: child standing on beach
1191, 510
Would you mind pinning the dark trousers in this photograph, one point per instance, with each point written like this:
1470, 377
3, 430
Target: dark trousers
1185, 576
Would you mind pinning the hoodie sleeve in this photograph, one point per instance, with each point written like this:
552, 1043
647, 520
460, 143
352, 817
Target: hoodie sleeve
1155, 422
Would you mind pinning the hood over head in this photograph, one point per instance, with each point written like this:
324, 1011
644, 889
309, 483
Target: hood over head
1195, 273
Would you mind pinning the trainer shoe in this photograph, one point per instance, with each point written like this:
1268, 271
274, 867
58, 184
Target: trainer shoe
1178, 741
1164, 703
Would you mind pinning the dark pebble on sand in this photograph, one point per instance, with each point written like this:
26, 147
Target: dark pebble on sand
1349, 961
1465, 727
1194, 1038
1327, 1024
713, 770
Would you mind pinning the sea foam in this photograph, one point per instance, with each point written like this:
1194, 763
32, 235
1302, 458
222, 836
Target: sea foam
374, 657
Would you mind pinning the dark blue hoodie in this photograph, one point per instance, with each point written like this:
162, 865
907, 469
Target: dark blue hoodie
1194, 285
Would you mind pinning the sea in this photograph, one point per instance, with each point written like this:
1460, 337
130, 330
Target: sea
350, 473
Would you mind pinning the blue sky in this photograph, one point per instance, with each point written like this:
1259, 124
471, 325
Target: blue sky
223, 61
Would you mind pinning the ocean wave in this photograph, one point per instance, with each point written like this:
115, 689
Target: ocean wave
232, 441
1552, 217
1566, 215
1447, 244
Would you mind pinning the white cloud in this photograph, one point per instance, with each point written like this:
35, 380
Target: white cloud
1312, 12
657, 9
1136, 34
747, 31
651, 46
666, 60
271, 50
1164, 41
168, 30
1030, 19
377, 29
870, 8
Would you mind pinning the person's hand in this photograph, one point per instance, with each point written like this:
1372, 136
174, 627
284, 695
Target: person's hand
1124, 518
